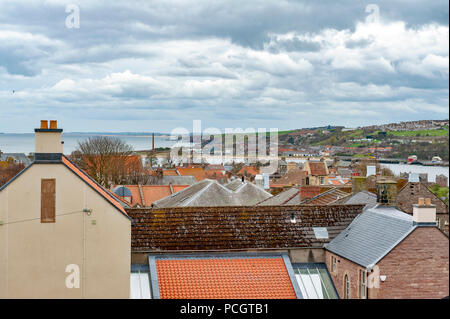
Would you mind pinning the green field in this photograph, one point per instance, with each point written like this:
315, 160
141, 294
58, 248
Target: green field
421, 133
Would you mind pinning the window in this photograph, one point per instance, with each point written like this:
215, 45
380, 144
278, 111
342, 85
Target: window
314, 281
140, 282
346, 287
362, 284
320, 232
48, 200
438, 222
333, 264
307, 180
322, 180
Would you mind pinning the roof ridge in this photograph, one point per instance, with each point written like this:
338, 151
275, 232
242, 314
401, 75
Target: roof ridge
111, 199
198, 193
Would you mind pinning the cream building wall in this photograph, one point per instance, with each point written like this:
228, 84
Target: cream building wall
34, 255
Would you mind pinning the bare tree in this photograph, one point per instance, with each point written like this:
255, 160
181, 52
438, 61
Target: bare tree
105, 159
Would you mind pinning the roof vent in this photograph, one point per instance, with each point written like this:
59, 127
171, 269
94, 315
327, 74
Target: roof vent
293, 220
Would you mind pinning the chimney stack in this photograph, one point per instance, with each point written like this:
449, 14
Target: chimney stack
387, 192
359, 183
424, 212
48, 144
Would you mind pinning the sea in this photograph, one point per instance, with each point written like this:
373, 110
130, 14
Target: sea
24, 143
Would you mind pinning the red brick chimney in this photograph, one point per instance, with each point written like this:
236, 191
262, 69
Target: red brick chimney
307, 192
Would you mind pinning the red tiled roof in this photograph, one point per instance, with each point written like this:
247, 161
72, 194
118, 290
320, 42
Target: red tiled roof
170, 172
224, 278
197, 172
327, 198
85, 177
292, 177
308, 192
318, 169
249, 170
151, 193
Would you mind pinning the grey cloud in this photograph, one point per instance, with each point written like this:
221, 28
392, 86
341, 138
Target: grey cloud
218, 62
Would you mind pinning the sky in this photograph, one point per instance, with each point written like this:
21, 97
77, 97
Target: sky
147, 66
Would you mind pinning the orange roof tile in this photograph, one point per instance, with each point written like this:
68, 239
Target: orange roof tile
151, 193
248, 170
318, 169
170, 172
224, 278
197, 172
177, 188
85, 177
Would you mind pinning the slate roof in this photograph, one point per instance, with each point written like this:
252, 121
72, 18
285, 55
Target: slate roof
234, 184
362, 197
174, 180
243, 227
19, 157
210, 193
372, 235
343, 164
227, 277
286, 197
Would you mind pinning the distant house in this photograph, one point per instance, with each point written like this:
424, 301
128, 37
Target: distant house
293, 177
410, 194
248, 171
62, 235
442, 180
316, 172
15, 158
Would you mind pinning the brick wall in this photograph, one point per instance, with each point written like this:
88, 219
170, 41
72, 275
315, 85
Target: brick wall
417, 268
344, 267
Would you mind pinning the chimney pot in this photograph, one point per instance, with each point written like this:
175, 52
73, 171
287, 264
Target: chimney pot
44, 124
53, 124
424, 212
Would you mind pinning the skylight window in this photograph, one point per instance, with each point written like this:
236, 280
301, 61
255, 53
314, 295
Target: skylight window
314, 281
321, 232
140, 284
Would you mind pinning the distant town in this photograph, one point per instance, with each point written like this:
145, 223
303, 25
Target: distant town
338, 217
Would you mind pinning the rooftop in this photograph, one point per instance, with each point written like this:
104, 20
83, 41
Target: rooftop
243, 227
222, 277
209, 193
372, 235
